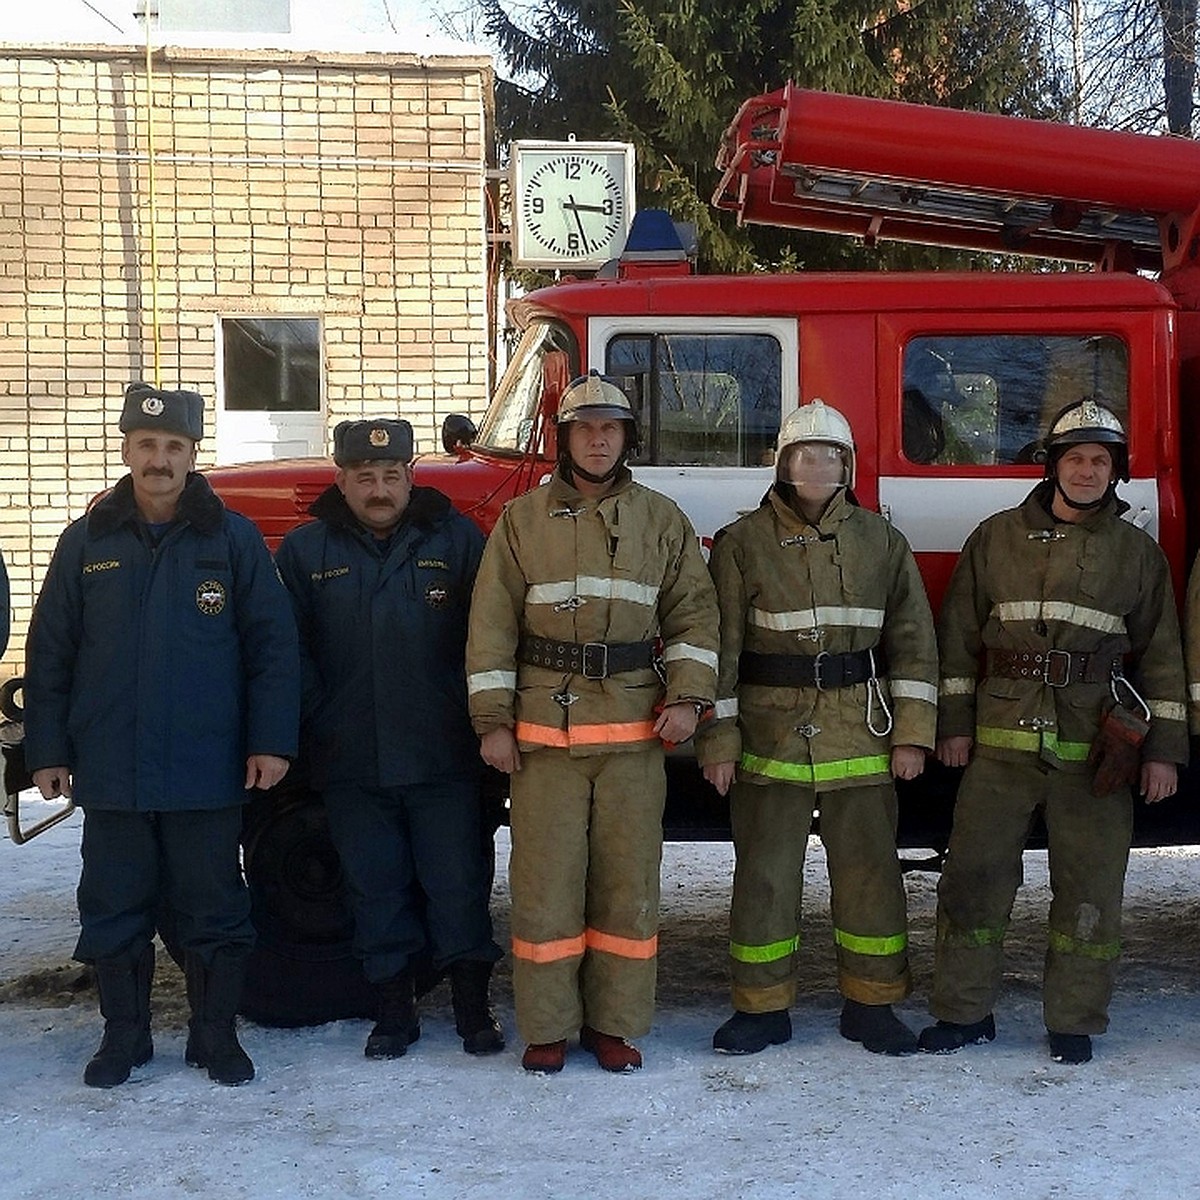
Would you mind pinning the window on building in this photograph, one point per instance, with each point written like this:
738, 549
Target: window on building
271, 364
701, 399
988, 399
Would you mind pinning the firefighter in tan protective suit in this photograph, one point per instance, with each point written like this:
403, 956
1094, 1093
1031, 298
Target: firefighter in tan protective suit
592, 591
828, 690
1059, 654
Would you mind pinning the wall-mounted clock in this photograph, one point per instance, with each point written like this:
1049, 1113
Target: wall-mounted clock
572, 202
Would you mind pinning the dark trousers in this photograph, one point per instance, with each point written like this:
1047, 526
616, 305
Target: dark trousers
414, 863
136, 862
1089, 840
771, 824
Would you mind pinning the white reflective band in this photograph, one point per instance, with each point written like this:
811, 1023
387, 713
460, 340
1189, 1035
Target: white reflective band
913, 689
595, 587
812, 618
1058, 610
492, 681
725, 708
1167, 710
678, 650
957, 685
1194, 691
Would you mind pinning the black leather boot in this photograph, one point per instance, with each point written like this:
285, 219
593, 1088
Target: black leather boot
750, 1033
214, 993
877, 1028
124, 983
473, 1016
397, 1025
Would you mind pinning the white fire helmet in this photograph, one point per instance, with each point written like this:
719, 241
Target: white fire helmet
817, 422
1088, 420
590, 396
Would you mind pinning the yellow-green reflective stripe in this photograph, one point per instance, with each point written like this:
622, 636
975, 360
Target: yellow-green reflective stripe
842, 768
772, 952
977, 937
878, 946
1067, 751
1100, 951
1031, 739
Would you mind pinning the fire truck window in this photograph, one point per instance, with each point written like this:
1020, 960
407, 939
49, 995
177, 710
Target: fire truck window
511, 418
702, 399
988, 399
271, 364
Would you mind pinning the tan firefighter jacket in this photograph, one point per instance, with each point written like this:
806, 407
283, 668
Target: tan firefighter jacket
786, 587
1191, 641
622, 569
1026, 582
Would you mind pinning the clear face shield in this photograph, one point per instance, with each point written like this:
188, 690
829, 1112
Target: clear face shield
815, 469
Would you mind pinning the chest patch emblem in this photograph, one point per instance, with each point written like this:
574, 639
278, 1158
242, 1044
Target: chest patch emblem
210, 597
436, 595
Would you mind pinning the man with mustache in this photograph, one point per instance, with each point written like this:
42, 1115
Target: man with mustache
162, 685
381, 582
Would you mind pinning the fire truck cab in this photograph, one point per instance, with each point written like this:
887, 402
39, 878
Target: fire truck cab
949, 381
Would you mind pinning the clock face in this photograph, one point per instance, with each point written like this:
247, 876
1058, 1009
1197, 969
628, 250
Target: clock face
571, 203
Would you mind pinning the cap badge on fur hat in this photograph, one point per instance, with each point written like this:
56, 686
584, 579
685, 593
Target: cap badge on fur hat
159, 409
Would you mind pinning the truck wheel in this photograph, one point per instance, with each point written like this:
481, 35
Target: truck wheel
10, 708
303, 970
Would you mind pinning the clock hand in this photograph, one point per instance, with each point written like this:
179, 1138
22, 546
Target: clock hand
598, 208
569, 202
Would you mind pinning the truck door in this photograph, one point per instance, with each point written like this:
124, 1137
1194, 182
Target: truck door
709, 396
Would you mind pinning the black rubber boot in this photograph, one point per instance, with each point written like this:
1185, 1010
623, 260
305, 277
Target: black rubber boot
1072, 1048
397, 1025
748, 1033
946, 1036
124, 983
877, 1028
214, 993
473, 1016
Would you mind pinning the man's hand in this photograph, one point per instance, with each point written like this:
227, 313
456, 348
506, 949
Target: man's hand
265, 770
955, 751
907, 762
1159, 780
53, 782
498, 748
677, 722
720, 775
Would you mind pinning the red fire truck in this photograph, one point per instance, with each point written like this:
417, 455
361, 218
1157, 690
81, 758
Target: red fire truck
949, 379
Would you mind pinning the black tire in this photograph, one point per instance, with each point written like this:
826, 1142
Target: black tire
303, 970
10, 709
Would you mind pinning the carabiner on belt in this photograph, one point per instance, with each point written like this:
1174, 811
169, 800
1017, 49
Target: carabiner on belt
1118, 681
875, 696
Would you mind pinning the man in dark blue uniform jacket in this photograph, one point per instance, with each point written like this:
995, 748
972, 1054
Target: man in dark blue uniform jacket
381, 584
162, 683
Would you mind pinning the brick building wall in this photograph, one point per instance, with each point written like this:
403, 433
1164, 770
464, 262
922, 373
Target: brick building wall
347, 186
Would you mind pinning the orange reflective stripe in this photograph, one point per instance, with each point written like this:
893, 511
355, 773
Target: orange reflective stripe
548, 952
586, 735
622, 947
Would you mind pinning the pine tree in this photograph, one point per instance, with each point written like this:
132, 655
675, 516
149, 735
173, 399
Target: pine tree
669, 76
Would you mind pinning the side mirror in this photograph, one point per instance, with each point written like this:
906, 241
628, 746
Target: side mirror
458, 432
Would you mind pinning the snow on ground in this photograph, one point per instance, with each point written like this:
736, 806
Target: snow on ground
816, 1118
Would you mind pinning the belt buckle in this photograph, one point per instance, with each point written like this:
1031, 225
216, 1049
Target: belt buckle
591, 652
818, 670
1055, 678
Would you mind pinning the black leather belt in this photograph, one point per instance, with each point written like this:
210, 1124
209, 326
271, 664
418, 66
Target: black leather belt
1055, 668
592, 660
823, 671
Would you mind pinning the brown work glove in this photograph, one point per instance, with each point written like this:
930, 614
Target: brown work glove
1116, 751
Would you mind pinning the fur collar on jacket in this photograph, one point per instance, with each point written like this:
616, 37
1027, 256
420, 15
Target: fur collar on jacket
426, 506
199, 506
